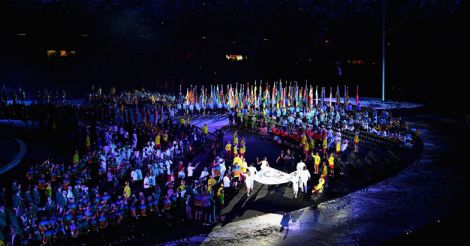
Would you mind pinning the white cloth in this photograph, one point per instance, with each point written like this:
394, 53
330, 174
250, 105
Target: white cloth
269, 175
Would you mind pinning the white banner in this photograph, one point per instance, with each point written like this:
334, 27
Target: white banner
271, 176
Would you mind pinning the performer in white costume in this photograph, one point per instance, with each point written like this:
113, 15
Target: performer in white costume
295, 183
300, 166
252, 169
304, 177
264, 163
249, 181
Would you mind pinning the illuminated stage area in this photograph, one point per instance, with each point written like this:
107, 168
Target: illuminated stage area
396, 207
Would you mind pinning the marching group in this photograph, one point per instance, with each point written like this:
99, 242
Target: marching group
135, 159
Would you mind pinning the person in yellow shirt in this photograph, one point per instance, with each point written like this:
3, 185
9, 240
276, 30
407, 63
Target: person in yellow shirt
235, 150
312, 144
338, 147
228, 151
306, 149
324, 170
221, 197
205, 131
331, 164
303, 140
237, 161
188, 121
182, 121
157, 141
319, 187
316, 162
235, 139
127, 191
243, 165
242, 151
210, 183
325, 145
356, 143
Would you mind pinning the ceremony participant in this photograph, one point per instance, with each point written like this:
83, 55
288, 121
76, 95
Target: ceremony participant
264, 163
227, 184
338, 147
324, 169
316, 162
242, 151
344, 145
319, 187
205, 131
331, 164
235, 138
356, 142
280, 161
228, 151
223, 167
304, 177
252, 169
325, 146
190, 170
295, 183
249, 182
300, 166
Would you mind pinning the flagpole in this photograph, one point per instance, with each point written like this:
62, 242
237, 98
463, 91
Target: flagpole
383, 50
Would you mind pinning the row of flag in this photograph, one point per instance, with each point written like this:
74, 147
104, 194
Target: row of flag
279, 95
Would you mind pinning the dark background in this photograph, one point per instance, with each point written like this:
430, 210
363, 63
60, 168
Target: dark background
160, 44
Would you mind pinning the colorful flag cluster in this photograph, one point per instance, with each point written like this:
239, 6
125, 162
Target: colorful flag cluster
276, 95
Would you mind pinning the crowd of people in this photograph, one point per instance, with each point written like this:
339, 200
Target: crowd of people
136, 148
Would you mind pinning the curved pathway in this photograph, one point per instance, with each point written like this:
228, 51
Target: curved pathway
18, 157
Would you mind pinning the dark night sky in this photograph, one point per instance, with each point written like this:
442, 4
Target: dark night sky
142, 43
